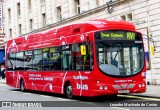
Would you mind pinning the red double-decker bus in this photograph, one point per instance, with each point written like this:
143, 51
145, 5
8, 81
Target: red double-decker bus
92, 58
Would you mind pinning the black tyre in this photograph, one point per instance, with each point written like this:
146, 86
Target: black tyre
22, 87
69, 91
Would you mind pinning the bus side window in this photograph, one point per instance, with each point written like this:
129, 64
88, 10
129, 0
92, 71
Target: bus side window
19, 61
46, 59
11, 61
37, 60
82, 62
66, 57
55, 58
76, 57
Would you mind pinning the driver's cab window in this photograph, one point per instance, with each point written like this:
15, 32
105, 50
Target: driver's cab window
79, 61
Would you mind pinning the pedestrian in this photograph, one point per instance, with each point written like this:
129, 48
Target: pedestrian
3, 72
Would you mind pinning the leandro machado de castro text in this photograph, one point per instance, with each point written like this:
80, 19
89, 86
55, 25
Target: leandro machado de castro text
134, 104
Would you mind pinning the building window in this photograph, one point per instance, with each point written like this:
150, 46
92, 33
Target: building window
97, 2
0, 22
106, 1
18, 9
123, 17
0, 11
29, 5
44, 19
30, 24
10, 32
77, 4
127, 17
9, 15
42, 1
20, 29
59, 12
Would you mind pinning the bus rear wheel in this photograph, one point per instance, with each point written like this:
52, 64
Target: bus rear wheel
22, 86
69, 91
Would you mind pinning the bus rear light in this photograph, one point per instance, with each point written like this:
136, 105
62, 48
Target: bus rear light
100, 87
105, 87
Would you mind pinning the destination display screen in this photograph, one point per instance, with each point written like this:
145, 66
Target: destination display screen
118, 35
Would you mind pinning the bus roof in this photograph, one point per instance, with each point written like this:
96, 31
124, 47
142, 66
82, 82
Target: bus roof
72, 29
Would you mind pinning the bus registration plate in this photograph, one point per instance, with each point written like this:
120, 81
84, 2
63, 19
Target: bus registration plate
123, 91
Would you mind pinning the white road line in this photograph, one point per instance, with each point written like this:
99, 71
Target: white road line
139, 97
64, 99
27, 93
14, 91
4, 89
89, 103
150, 93
46, 96
2, 84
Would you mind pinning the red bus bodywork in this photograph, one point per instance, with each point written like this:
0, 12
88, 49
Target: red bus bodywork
84, 83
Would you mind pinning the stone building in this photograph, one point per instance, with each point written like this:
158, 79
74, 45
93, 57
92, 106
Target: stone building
1, 26
30, 16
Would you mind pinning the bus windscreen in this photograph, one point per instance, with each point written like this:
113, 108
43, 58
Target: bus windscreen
119, 53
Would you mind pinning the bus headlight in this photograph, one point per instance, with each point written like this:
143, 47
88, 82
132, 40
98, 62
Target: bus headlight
100, 87
140, 85
143, 85
105, 87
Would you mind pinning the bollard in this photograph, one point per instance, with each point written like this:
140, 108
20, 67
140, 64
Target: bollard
148, 83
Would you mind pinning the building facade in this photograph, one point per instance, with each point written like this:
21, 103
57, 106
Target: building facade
1, 26
30, 16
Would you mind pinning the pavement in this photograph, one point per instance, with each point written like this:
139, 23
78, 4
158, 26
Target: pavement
152, 90
2, 81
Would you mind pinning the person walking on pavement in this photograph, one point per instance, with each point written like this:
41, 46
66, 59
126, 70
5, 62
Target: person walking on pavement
2, 72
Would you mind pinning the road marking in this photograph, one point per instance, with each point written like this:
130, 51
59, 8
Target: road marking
89, 103
4, 89
46, 96
14, 91
64, 99
139, 97
27, 93
2, 84
119, 108
150, 93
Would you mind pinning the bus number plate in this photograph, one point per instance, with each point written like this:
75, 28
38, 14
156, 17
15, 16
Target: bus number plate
123, 91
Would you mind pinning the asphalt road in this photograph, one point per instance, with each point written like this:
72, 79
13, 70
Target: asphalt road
32, 100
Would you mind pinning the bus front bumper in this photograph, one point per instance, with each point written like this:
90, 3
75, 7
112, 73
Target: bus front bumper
101, 93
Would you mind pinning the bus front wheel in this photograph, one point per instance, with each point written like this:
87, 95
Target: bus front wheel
69, 91
22, 86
